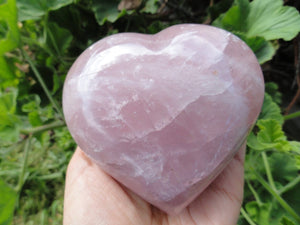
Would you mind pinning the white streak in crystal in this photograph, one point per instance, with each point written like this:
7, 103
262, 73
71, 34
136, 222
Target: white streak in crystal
83, 88
146, 165
110, 56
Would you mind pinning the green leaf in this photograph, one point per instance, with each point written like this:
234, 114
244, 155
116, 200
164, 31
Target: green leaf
292, 197
234, 19
253, 143
8, 102
58, 39
9, 122
270, 136
57, 83
64, 139
283, 167
3, 28
270, 110
7, 203
259, 213
295, 146
259, 22
271, 133
286, 221
297, 158
35, 9
7, 77
264, 50
272, 89
151, 6
263, 18
33, 103
10, 37
271, 20
36, 114
35, 119
107, 10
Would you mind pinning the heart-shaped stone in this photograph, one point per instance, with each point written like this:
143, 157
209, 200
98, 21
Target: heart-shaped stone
163, 114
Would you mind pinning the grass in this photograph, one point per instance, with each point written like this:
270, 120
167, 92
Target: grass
36, 170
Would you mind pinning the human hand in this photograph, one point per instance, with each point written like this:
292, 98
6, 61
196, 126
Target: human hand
92, 197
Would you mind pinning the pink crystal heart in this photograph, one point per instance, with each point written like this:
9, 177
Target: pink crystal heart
163, 114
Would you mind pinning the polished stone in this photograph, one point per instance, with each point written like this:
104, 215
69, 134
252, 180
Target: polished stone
163, 114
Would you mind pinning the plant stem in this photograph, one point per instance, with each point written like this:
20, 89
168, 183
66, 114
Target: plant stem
292, 115
46, 127
256, 196
268, 171
289, 185
24, 164
247, 217
281, 201
43, 217
41, 81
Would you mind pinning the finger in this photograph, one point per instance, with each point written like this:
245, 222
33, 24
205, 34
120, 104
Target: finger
94, 197
222, 200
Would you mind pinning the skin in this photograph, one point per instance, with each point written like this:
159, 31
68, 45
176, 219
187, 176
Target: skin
92, 197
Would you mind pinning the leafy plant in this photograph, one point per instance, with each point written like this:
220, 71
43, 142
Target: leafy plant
268, 146
7, 203
260, 22
39, 41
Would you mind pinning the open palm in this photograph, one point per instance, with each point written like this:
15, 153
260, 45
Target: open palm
93, 197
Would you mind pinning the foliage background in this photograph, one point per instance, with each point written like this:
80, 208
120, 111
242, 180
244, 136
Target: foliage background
39, 41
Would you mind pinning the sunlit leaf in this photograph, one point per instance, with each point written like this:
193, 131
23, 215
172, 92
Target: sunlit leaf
271, 20
259, 213
7, 76
271, 133
269, 136
264, 18
7, 203
9, 32
253, 143
33, 103
295, 146
8, 102
9, 122
271, 110
3, 28
35, 119
9, 40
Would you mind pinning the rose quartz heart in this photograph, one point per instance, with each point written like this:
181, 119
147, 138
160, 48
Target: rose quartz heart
163, 114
